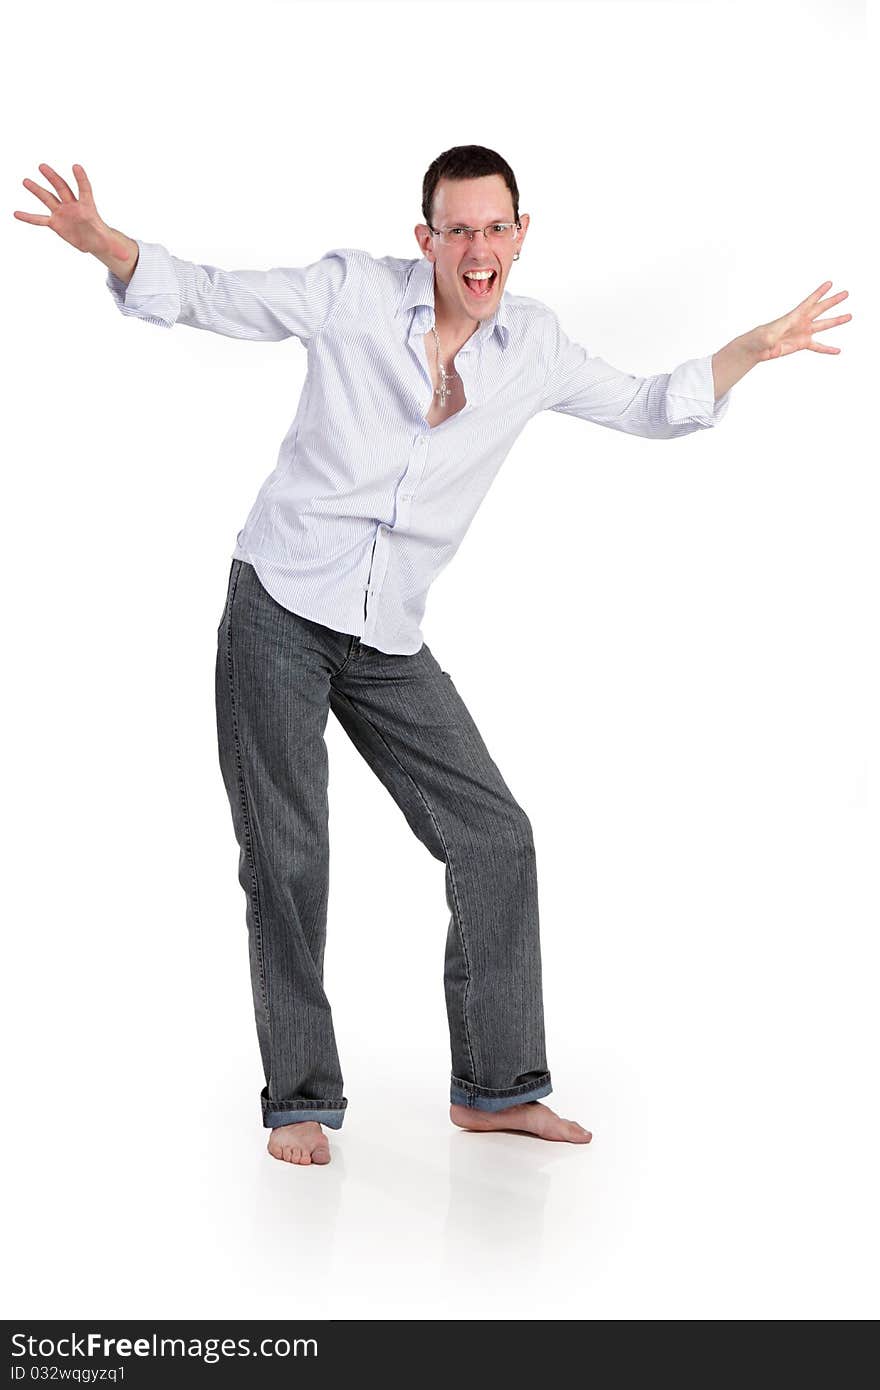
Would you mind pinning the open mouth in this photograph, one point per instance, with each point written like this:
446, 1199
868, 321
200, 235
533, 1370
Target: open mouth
478, 287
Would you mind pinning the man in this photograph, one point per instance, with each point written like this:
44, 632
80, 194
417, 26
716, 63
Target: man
421, 374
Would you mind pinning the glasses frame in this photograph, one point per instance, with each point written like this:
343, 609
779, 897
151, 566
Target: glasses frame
472, 231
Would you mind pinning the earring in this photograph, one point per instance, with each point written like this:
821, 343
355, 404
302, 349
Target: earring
516, 255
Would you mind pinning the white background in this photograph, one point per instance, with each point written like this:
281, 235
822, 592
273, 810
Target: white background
669, 647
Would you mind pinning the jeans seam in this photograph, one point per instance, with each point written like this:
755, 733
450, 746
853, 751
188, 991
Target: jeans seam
503, 1093
230, 589
457, 912
277, 1108
242, 787
349, 655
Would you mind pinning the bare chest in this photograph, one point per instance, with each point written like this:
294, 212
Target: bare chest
455, 397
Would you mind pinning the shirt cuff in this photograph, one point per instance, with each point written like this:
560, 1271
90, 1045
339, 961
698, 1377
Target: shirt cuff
690, 395
152, 293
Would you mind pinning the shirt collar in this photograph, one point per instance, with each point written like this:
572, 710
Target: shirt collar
420, 291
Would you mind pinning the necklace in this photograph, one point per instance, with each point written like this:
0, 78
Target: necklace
444, 388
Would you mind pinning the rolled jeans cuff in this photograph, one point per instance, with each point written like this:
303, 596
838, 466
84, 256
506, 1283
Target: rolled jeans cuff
480, 1098
323, 1112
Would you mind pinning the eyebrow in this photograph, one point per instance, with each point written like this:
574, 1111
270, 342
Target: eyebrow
460, 222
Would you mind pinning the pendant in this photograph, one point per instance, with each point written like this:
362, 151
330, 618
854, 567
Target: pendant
442, 389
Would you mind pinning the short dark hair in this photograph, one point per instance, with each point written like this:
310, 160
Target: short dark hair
466, 162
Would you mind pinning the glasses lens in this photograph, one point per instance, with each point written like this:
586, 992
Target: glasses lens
497, 232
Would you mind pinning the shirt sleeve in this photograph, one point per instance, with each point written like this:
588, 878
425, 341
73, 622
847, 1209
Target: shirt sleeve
261, 305
658, 407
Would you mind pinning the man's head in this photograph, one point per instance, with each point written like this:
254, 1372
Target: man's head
469, 186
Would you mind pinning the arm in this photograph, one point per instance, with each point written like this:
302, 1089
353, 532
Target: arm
730, 363
119, 254
148, 282
664, 406
260, 305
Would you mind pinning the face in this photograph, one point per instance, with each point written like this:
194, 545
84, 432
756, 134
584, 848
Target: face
469, 203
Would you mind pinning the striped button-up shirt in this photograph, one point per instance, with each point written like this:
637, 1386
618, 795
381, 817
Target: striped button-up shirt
367, 502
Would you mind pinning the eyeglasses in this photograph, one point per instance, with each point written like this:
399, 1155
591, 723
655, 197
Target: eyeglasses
495, 232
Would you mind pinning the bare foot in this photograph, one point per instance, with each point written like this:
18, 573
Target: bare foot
530, 1118
304, 1142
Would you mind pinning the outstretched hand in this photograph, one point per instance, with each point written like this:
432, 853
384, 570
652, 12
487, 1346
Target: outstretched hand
76, 220
794, 331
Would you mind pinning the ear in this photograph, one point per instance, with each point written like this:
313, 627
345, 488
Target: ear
425, 239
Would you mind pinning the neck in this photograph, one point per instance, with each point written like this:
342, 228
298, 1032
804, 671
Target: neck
451, 326
454, 334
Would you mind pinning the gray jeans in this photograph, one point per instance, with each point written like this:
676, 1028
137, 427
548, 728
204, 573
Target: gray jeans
277, 675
